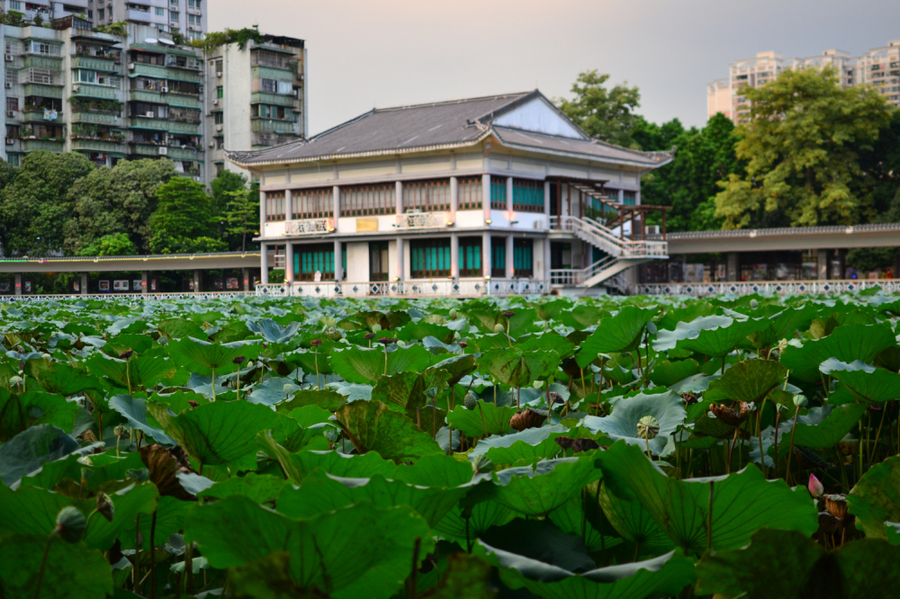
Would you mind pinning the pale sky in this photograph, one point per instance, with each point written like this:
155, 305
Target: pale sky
380, 53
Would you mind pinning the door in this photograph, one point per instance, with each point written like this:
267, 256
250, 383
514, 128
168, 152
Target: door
378, 261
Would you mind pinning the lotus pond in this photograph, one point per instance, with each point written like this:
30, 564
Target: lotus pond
604, 448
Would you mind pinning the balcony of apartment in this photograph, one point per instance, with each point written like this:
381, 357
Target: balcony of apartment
34, 114
96, 90
96, 63
273, 57
270, 125
48, 144
272, 99
40, 61
186, 61
139, 13
97, 118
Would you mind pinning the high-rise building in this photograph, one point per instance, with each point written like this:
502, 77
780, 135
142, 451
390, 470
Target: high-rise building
71, 88
879, 67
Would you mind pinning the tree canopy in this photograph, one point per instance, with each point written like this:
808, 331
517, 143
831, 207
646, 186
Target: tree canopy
802, 144
607, 114
183, 220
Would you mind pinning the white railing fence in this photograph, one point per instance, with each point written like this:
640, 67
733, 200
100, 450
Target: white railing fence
767, 287
473, 287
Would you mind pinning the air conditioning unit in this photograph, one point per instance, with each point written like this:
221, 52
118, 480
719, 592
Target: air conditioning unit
10, 113
131, 66
219, 74
165, 90
150, 114
76, 89
652, 229
164, 151
197, 179
8, 85
218, 127
9, 57
10, 141
212, 144
215, 102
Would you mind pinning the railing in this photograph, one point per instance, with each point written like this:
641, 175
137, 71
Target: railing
192, 295
310, 226
136, 258
766, 287
849, 230
421, 220
603, 238
570, 276
471, 287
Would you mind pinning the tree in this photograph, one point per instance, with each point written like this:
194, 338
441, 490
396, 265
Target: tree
801, 145
116, 200
243, 214
689, 183
605, 114
115, 244
224, 183
182, 221
35, 205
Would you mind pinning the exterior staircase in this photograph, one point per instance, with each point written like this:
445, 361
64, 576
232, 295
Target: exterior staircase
621, 253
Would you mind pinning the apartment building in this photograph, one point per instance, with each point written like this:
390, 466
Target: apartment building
500, 194
71, 89
255, 97
879, 67
45, 10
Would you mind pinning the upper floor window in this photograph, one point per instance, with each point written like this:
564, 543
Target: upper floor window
498, 193
312, 203
366, 200
469, 193
528, 196
274, 205
426, 196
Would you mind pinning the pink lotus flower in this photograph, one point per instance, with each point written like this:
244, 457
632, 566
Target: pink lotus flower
815, 486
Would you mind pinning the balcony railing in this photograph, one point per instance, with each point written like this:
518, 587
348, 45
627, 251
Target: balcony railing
311, 226
421, 220
464, 287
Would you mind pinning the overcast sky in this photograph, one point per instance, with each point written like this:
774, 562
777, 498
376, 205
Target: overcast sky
380, 53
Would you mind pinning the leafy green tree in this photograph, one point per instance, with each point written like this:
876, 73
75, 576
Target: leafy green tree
35, 205
114, 244
183, 221
117, 200
802, 145
242, 217
222, 186
689, 183
607, 114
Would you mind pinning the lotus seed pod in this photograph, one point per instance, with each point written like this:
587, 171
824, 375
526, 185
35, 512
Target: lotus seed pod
452, 313
471, 400
15, 380
162, 340
482, 464
288, 388
648, 427
45, 356
105, 506
376, 328
800, 401
499, 328
754, 304
70, 524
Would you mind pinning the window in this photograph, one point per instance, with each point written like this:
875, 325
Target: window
274, 86
46, 49
12, 132
15, 5
14, 159
498, 257
470, 256
194, 20
12, 77
194, 4
220, 92
429, 258
469, 193
316, 257
13, 48
42, 76
528, 196
498, 193
174, 16
274, 205
160, 12
219, 118
629, 198
523, 257
367, 200
426, 196
220, 143
146, 58
378, 260
101, 13
312, 203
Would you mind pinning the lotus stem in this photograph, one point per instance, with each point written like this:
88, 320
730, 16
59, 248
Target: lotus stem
213, 369
787, 470
877, 434
37, 587
411, 589
483, 425
518, 398
777, 418
762, 454
583, 389
153, 556
709, 521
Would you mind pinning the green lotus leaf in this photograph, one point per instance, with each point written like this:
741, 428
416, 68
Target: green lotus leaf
570, 518
57, 377
620, 333
171, 515
665, 575
667, 339
526, 452
457, 367
130, 500
134, 410
72, 570
140, 372
31, 448
485, 419
180, 328
530, 436
583, 315
273, 332
216, 433
372, 426
18, 412
875, 499
667, 373
866, 383
821, 428
481, 517
205, 358
360, 365
330, 553
407, 391
721, 340
845, 344
344, 465
633, 522
260, 488
854, 571
327, 399
667, 408
511, 366
311, 362
784, 324
537, 490
749, 381
742, 502
548, 341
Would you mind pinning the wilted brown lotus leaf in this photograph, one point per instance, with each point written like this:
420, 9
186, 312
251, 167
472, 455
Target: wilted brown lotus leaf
729, 416
164, 466
528, 418
836, 505
576, 445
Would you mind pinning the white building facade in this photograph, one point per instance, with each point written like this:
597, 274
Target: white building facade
498, 195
